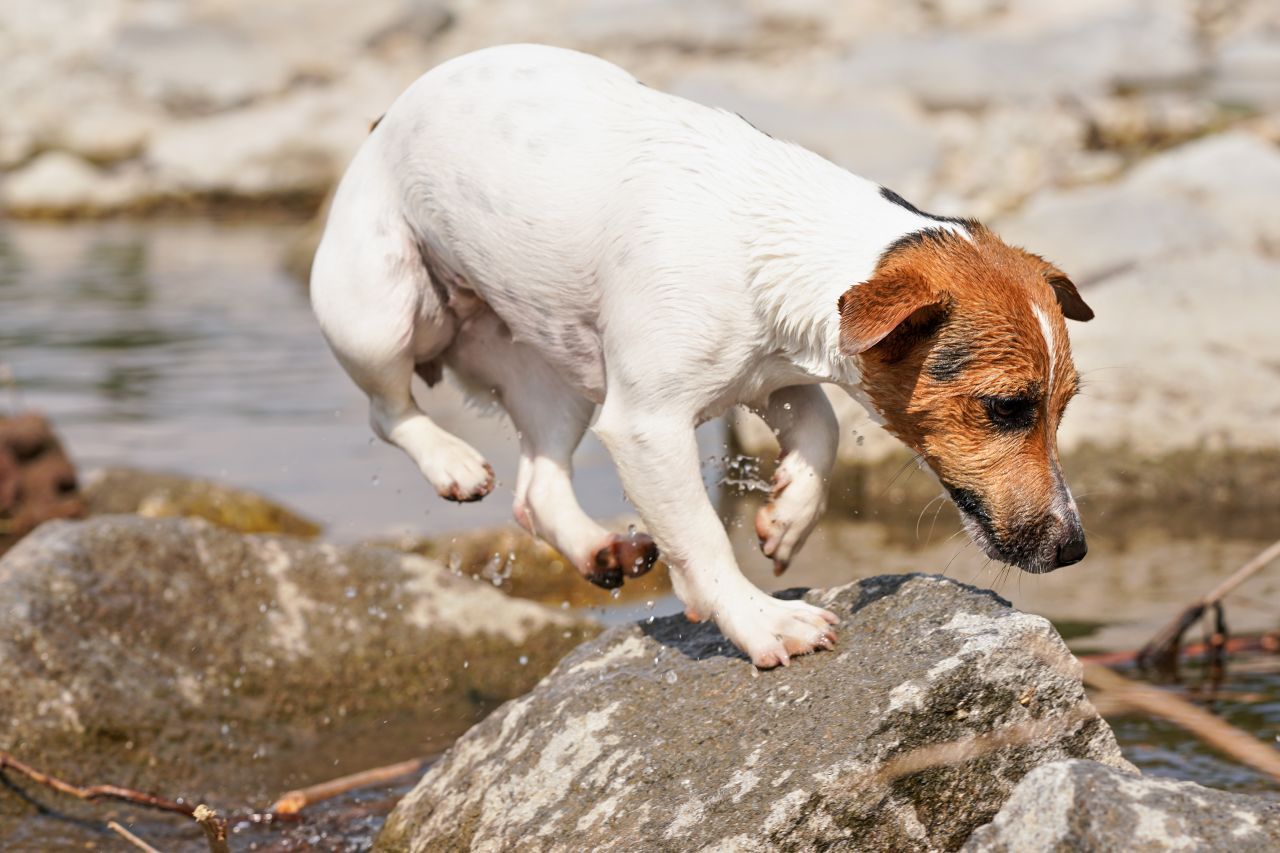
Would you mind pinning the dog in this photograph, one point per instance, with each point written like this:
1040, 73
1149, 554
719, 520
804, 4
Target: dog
591, 252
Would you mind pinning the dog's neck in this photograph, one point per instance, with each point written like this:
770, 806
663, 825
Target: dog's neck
820, 231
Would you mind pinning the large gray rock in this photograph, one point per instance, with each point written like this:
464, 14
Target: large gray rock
176, 656
661, 736
1138, 43
1082, 805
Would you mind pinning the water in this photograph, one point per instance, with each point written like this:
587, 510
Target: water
185, 348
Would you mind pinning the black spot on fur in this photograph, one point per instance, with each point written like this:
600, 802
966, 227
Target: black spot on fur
914, 239
949, 362
970, 503
751, 125
893, 198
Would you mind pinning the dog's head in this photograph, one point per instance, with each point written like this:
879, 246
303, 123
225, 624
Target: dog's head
962, 348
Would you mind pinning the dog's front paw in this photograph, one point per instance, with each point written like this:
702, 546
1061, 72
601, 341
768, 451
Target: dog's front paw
771, 631
622, 556
458, 471
796, 504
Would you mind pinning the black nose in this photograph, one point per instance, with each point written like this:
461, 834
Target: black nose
1072, 549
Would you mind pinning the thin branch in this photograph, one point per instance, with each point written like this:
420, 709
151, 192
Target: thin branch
215, 829
94, 792
1215, 732
294, 801
130, 837
1163, 647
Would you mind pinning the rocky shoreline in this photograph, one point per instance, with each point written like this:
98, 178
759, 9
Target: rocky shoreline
180, 654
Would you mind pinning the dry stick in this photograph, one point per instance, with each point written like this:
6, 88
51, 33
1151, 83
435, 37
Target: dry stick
295, 801
215, 829
960, 751
1218, 733
130, 837
94, 792
1164, 646
1266, 642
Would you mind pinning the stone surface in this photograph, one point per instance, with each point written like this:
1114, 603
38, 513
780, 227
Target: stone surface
65, 185
1235, 176
156, 494
661, 734
175, 656
1129, 44
884, 139
1083, 805
37, 479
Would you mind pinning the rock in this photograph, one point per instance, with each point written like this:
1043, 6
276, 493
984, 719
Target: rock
1095, 231
295, 146
155, 494
997, 159
60, 184
689, 24
1203, 376
1246, 71
883, 139
172, 655
1133, 44
195, 67
1083, 805
663, 732
37, 480
1233, 175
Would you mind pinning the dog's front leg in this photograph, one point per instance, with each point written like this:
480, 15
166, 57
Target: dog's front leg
808, 432
657, 458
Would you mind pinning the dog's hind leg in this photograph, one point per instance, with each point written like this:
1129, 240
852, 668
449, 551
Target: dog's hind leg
550, 417
808, 432
381, 315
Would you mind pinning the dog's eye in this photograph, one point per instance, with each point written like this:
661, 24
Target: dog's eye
1011, 414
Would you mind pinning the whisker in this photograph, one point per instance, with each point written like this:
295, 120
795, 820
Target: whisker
923, 511
913, 461
934, 523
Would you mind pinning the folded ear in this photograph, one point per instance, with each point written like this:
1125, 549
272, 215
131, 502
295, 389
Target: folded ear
873, 310
1073, 307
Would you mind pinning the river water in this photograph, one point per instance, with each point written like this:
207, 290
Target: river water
185, 347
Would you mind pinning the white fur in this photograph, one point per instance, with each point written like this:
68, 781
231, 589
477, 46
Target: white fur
584, 245
1050, 339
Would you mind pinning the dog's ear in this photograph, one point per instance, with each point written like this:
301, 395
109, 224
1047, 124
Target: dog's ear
1073, 307
873, 310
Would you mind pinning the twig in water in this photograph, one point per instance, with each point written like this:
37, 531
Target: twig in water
1214, 731
1163, 648
215, 828
94, 792
130, 837
295, 801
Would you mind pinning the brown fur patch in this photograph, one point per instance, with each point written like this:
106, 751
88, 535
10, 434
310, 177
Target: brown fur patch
938, 294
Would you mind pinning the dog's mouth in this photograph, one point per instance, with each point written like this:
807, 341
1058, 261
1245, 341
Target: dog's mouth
1029, 549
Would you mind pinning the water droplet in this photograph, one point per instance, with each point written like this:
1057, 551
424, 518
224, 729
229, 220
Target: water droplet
466, 664
786, 407
672, 677
616, 591
649, 604
524, 660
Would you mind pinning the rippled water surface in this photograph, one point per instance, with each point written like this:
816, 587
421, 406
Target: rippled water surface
186, 348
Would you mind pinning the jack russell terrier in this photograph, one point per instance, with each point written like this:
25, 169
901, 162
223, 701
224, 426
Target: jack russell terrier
581, 246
